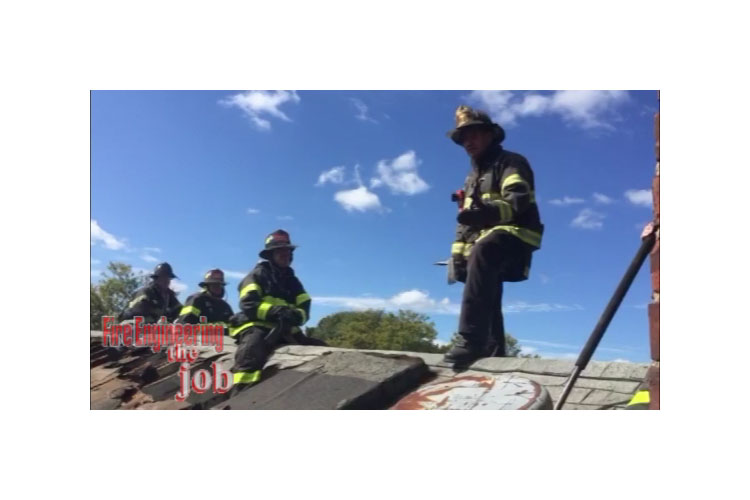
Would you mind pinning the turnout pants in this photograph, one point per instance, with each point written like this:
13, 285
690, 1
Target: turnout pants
253, 352
492, 258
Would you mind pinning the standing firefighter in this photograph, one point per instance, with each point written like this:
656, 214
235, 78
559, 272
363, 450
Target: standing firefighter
155, 299
209, 302
498, 229
270, 296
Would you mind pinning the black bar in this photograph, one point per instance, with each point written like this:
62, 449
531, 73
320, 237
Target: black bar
607, 315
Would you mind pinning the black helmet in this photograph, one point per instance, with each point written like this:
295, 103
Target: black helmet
277, 239
213, 277
163, 269
468, 117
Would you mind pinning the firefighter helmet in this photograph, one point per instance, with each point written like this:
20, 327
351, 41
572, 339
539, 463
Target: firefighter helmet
213, 277
469, 117
277, 239
163, 269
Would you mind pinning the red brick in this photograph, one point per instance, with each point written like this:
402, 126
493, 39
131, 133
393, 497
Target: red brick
653, 329
653, 386
655, 268
656, 134
655, 190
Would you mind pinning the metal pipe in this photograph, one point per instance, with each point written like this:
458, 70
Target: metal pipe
609, 312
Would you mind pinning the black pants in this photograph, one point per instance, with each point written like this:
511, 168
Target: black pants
492, 258
253, 350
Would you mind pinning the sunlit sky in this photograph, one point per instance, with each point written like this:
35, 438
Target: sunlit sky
362, 182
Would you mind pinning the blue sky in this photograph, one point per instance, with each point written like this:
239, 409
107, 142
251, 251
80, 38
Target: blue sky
362, 181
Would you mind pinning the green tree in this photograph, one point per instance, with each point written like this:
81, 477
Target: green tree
512, 347
112, 294
97, 310
377, 329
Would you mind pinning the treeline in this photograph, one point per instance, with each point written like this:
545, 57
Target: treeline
371, 329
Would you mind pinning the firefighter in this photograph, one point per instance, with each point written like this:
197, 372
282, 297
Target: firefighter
498, 229
155, 299
209, 302
269, 295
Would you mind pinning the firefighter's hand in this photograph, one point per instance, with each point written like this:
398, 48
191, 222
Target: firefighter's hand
480, 216
457, 269
647, 230
289, 315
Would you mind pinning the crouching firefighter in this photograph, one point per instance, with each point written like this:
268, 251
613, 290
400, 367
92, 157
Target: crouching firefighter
155, 299
270, 296
498, 229
209, 302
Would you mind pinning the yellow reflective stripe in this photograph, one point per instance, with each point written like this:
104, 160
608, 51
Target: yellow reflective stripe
513, 179
263, 309
304, 316
467, 249
491, 196
458, 247
233, 332
190, 310
640, 397
136, 300
249, 288
506, 211
467, 202
276, 301
526, 235
246, 377
303, 297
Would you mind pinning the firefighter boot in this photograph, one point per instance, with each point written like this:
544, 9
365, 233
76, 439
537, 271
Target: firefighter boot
463, 353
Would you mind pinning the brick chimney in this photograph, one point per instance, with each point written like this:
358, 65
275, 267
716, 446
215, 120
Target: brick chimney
653, 307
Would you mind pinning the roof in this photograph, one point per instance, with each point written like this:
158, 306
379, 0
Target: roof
137, 378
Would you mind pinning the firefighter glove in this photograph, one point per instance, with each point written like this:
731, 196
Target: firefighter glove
457, 269
480, 216
288, 315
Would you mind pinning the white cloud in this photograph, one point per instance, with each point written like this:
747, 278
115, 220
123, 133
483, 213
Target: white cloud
520, 306
640, 197
602, 199
152, 249
361, 111
177, 286
566, 200
359, 199
400, 175
100, 235
420, 301
548, 344
585, 108
621, 360
588, 219
253, 211
235, 274
255, 103
416, 300
284, 217
526, 350
95, 262
555, 345
149, 258
335, 176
